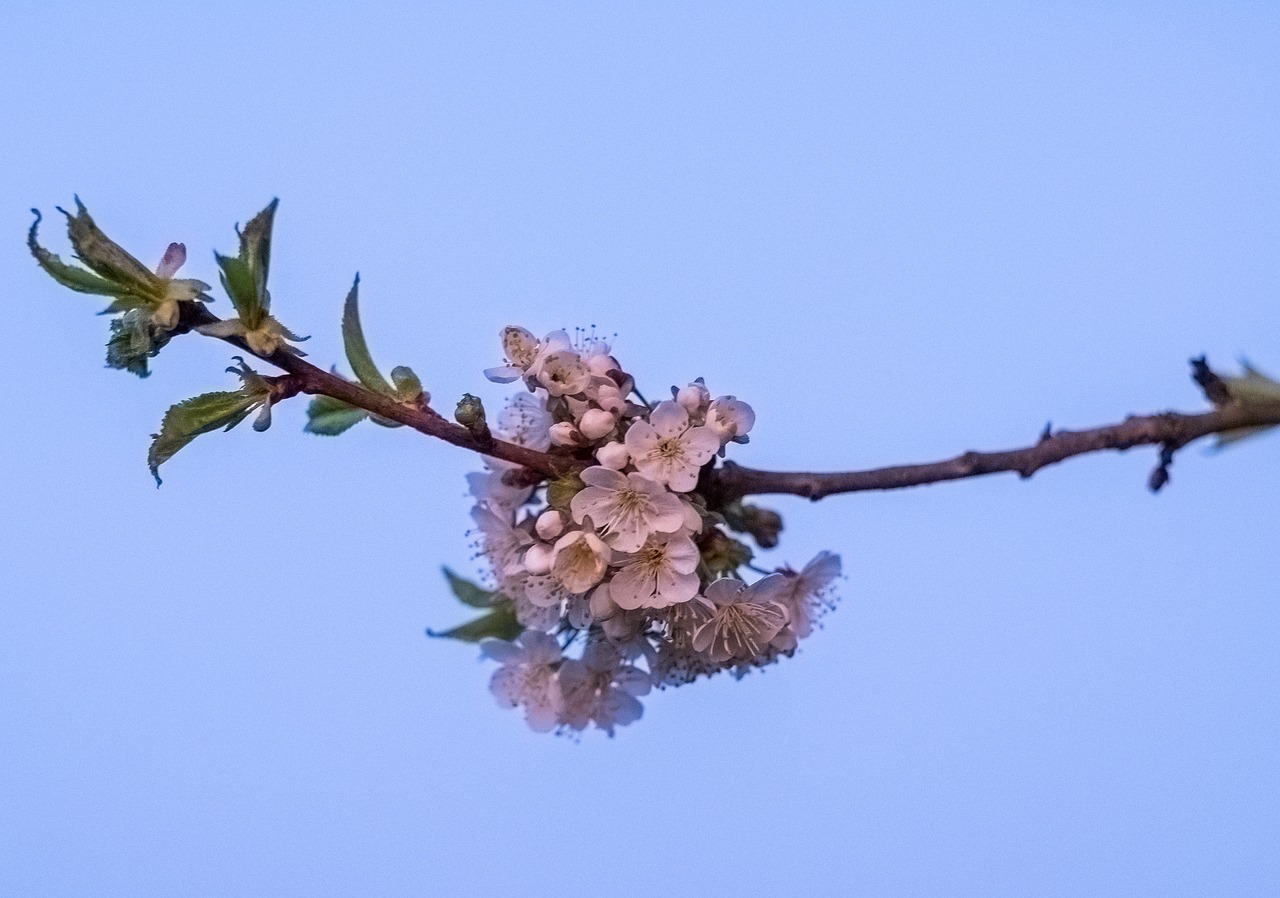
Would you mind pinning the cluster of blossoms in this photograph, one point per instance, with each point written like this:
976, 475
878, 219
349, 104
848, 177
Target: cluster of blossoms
625, 560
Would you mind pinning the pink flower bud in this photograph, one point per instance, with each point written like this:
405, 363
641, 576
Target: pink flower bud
565, 434
613, 456
596, 423
550, 524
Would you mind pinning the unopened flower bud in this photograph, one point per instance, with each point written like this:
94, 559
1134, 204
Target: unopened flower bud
613, 456
470, 414
596, 423
601, 365
565, 434
538, 559
694, 398
550, 525
611, 399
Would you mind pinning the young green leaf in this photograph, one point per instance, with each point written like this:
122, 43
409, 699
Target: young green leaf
72, 277
499, 623
193, 417
242, 286
472, 594
106, 257
329, 417
357, 349
255, 249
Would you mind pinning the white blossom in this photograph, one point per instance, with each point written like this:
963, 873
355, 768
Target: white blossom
489, 487
564, 373
661, 573
730, 418
600, 688
526, 422
521, 349
527, 676
665, 448
579, 560
538, 559
805, 595
625, 508
743, 619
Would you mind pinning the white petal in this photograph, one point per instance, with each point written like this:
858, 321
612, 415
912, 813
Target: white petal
669, 419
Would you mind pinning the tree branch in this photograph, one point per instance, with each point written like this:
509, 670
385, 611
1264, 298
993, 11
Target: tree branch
1169, 430
307, 378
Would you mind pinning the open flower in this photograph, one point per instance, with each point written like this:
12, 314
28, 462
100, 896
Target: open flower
805, 594
730, 418
521, 349
527, 676
665, 448
564, 373
600, 688
625, 508
579, 560
743, 619
661, 573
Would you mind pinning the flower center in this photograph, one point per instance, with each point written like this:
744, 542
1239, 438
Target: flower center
669, 449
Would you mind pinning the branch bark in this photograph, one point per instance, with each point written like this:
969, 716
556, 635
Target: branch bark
1169, 430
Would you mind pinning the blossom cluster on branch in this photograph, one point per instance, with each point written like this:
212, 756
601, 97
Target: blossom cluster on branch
625, 560
606, 521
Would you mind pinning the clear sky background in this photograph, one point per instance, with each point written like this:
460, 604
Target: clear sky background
898, 231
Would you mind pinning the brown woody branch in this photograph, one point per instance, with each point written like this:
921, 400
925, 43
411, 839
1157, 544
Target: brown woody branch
307, 378
1169, 430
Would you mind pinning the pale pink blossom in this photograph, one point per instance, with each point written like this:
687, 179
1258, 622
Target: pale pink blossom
521, 349
666, 449
730, 418
806, 593
743, 619
564, 373
625, 508
600, 688
527, 676
579, 560
596, 424
661, 573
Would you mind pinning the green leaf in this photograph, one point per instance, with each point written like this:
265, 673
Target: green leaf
106, 257
71, 276
241, 285
357, 349
561, 491
499, 623
255, 249
472, 594
193, 417
329, 417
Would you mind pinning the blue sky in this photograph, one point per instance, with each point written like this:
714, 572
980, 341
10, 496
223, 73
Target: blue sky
899, 231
